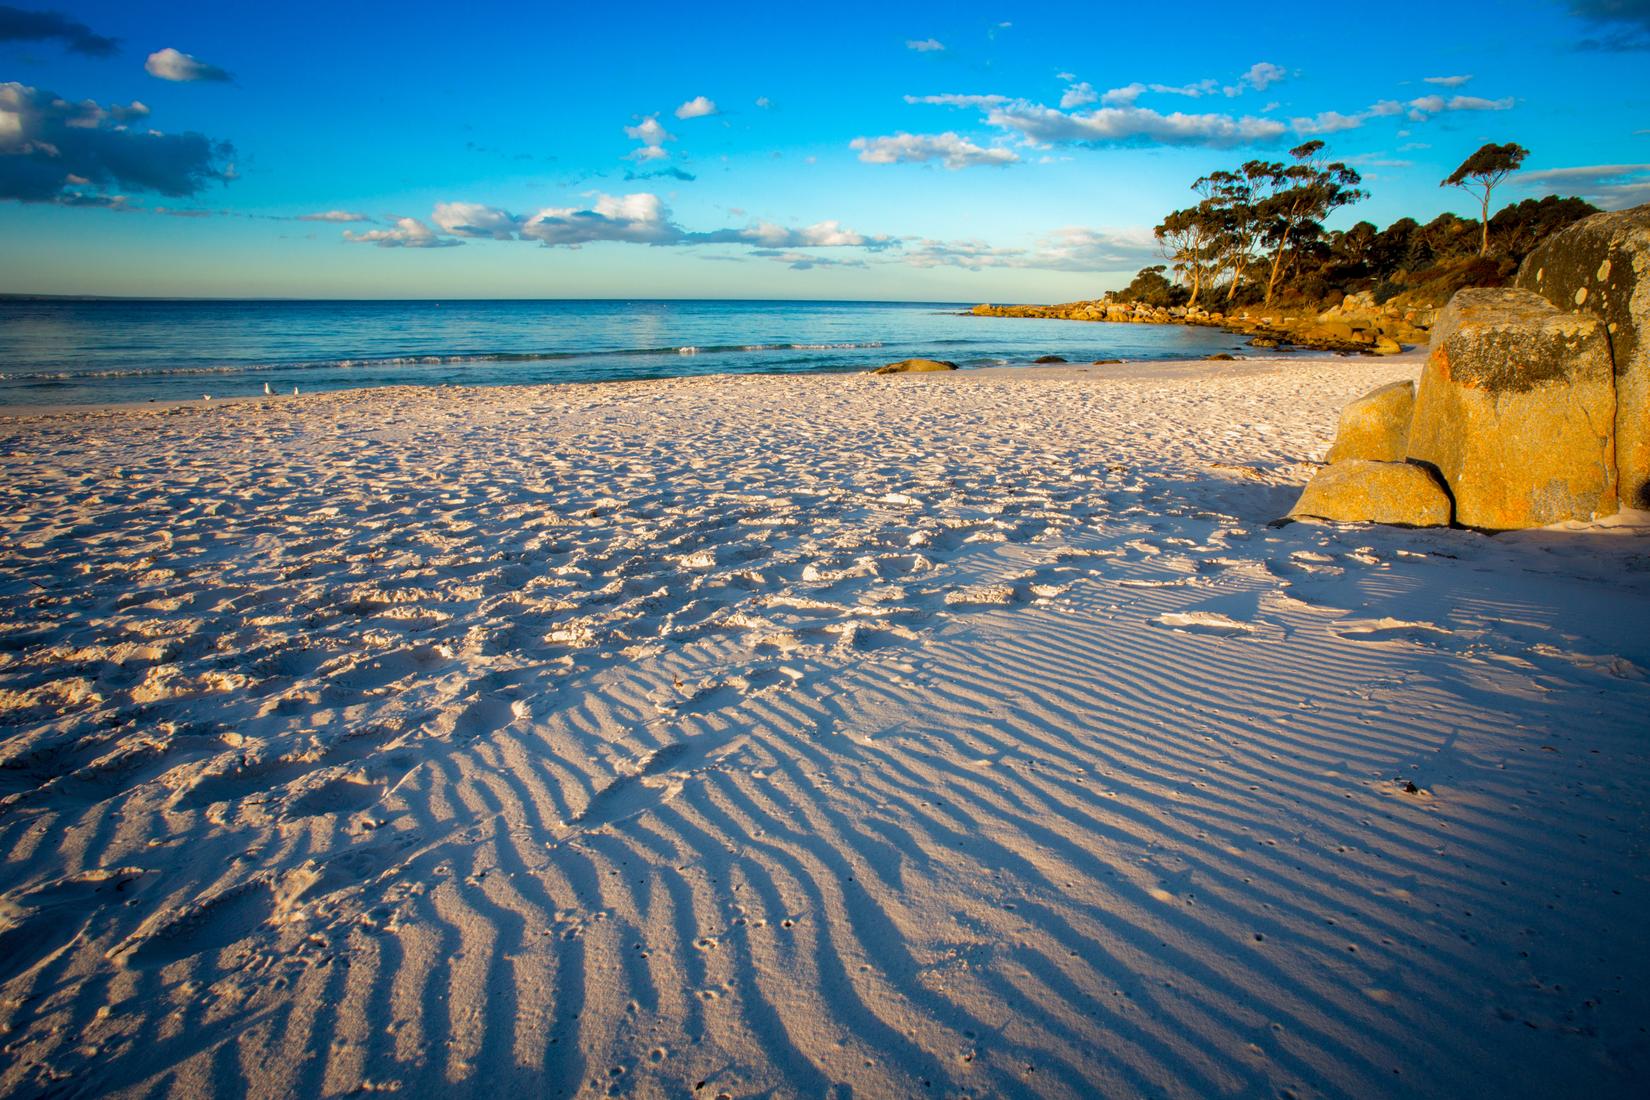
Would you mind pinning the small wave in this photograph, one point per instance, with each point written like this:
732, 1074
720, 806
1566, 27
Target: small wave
391, 361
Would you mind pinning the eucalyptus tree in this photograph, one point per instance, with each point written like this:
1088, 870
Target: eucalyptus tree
1191, 240
1300, 196
1480, 173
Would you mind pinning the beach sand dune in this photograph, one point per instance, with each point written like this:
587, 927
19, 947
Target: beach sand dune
964, 734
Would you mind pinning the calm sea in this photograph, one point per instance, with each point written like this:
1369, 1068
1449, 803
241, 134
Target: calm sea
63, 352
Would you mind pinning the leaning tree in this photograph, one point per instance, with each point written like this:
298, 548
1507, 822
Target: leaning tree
1191, 239
1302, 195
1480, 173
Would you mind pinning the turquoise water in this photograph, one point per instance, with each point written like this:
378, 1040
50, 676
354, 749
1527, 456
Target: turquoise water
61, 352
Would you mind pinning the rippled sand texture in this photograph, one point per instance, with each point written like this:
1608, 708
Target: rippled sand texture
808, 737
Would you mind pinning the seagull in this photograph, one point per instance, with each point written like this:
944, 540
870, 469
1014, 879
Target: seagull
294, 391
206, 397
267, 390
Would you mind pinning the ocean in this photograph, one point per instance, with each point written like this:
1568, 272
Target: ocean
93, 351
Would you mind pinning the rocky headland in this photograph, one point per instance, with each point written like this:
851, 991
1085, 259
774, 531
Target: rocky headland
1355, 324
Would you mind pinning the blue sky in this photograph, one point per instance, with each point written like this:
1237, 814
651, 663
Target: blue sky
953, 151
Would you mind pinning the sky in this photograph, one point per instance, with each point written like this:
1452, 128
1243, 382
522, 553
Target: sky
944, 152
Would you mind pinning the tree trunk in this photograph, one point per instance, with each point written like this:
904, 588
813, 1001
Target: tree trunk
1237, 277
1484, 241
1277, 267
1197, 283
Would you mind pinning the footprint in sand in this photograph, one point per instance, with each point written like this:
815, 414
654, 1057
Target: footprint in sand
213, 924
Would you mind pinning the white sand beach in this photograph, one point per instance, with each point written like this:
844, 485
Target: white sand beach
961, 734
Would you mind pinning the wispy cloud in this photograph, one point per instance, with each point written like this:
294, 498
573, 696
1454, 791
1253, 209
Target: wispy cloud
1447, 81
340, 216
1122, 120
17, 25
697, 107
51, 148
951, 99
408, 233
804, 261
950, 149
174, 65
1623, 24
670, 173
925, 45
1073, 248
1609, 186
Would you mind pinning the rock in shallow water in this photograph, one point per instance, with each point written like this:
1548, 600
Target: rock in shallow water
915, 366
1515, 411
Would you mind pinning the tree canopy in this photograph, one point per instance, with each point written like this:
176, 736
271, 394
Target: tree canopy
1480, 173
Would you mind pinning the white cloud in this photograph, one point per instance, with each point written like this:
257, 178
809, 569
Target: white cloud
1261, 76
949, 148
408, 233
1120, 119
1124, 96
174, 65
640, 218
1426, 106
1447, 81
1113, 125
652, 135
474, 219
1078, 95
335, 216
697, 107
926, 45
764, 102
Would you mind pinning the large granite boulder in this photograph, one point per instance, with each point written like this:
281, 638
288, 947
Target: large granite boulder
1516, 411
915, 366
1601, 266
1359, 490
1376, 425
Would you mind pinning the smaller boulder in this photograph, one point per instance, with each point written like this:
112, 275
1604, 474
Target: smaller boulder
1376, 425
1386, 345
1361, 491
1049, 359
915, 366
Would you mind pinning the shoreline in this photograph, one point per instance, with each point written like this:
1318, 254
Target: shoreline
1127, 370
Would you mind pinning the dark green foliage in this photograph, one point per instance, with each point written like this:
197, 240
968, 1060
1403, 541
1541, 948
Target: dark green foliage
1151, 288
1258, 236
